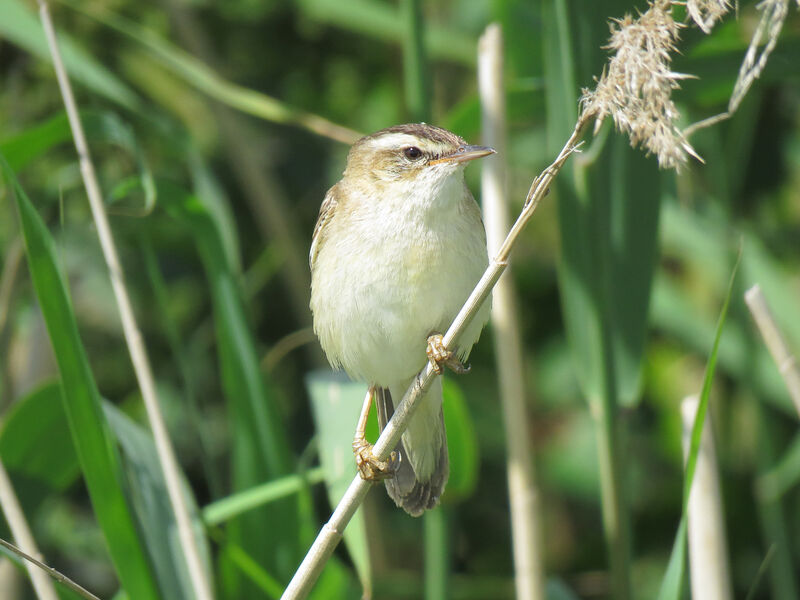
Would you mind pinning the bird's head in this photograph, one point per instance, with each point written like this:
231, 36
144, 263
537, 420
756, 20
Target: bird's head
410, 154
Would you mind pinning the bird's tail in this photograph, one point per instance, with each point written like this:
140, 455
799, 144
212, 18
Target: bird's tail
424, 465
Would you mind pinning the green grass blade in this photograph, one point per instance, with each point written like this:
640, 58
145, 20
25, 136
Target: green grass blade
94, 442
36, 446
184, 364
235, 504
462, 442
700, 239
101, 126
672, 584
675, 313
236, 555
762, 569
261, 450
22, 27
38, 451
705, 392
201, 76
148, 497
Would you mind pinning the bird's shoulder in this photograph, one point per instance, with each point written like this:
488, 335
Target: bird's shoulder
326, 213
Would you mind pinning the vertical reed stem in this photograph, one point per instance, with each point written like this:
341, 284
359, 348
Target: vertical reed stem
708, 548
522, 490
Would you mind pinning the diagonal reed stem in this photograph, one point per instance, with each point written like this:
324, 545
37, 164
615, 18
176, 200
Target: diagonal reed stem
133, 336
331, 533
775, 342
57, 575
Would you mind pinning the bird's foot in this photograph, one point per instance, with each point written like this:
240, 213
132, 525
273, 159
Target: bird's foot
369, 467
439, 355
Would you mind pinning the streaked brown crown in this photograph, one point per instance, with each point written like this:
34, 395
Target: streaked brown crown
419, 130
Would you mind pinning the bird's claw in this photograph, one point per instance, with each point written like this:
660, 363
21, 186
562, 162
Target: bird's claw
369, 466
439, 355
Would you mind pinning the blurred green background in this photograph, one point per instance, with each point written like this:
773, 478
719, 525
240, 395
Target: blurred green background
217, 127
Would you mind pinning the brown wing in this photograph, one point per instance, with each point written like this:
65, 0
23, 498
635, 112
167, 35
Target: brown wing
326, 212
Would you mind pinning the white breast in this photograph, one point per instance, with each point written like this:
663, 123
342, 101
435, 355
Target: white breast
394, 270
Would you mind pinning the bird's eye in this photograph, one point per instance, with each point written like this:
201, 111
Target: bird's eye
412, 152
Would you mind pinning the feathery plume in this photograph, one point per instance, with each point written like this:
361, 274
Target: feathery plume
636, 86
707, 12
773, 14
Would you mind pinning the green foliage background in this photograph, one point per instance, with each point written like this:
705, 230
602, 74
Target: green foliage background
201, 119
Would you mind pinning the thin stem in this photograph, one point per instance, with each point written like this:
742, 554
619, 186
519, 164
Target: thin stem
285, 345
522, 490
762, 569
775, 342
60, 577
133, 336
331, 533
23, 536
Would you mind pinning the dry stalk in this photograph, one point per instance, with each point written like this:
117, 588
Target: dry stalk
133, 336
772, 17
523, 493
636, 86
331, 533
773, 14
708, 550
285, 345
775, 342
57, 575
23, 536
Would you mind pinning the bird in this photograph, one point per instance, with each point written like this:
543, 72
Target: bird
398, 246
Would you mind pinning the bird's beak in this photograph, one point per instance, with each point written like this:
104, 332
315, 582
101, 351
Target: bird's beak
464, 154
